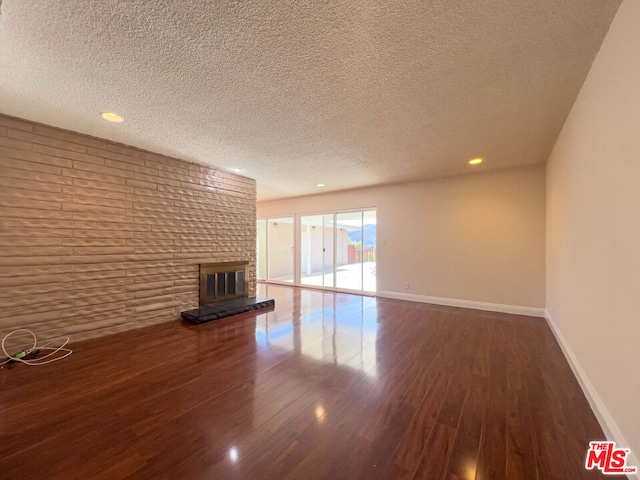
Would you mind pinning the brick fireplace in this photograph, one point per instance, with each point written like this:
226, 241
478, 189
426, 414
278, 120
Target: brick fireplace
101, 237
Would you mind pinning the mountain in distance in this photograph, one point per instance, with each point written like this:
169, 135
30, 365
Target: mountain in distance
369, 235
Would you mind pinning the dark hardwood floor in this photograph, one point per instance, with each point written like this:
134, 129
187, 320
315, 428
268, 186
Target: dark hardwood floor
325, 386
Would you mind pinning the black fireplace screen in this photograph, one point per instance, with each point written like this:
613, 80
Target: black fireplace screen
222, 281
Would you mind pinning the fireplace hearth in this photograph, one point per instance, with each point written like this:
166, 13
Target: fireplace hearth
224, 289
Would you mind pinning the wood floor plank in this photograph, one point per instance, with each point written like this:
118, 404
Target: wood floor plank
417, 435
434, 460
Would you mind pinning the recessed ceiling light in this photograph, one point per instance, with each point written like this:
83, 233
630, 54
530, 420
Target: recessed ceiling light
320, 185
112, 117
475, 161
237, 170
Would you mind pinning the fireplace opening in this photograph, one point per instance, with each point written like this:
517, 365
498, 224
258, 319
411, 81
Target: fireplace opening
223, 281
224, 291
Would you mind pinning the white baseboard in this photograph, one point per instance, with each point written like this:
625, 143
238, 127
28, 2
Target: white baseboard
606, 421
452, 302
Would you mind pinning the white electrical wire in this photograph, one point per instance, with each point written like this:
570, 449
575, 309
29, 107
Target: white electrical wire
40, 360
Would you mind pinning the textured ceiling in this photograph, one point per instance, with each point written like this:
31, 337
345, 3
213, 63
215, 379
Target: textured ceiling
294, 92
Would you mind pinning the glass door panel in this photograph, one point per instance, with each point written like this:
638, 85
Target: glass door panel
280, 249
311, 250
316, 250
327, 251
349, 250
369, 251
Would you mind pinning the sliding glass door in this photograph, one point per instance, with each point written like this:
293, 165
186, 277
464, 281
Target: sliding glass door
336, 250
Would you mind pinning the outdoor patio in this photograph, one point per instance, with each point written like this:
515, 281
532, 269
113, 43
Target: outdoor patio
347, 276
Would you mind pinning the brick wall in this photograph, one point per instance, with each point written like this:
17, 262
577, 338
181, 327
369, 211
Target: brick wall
97, 237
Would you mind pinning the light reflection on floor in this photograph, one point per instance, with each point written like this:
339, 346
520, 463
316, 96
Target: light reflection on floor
347, 339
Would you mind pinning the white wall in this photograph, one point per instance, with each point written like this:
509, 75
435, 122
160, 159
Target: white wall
593, 230
477, 237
